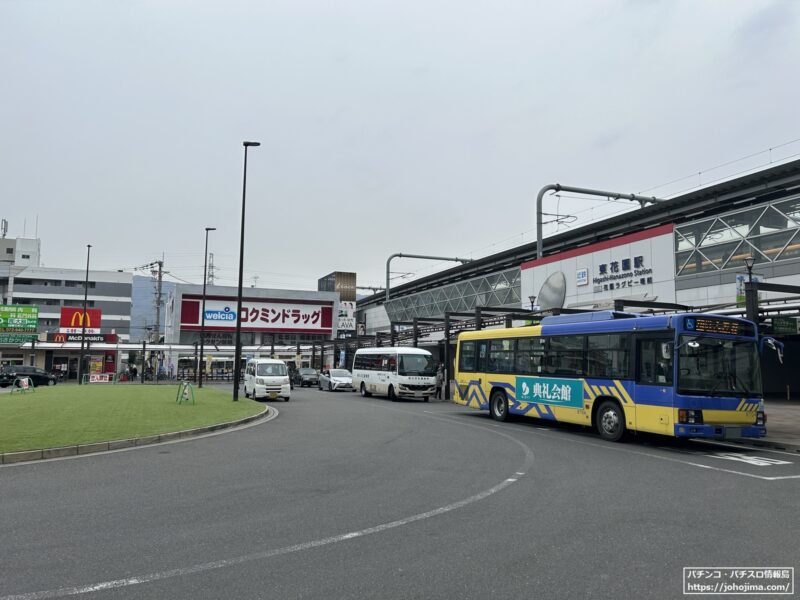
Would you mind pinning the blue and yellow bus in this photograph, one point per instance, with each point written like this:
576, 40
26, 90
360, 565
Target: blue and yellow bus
684, 375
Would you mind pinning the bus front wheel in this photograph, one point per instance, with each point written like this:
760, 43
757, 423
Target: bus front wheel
392, 395
610, 421
499, 406
364, 391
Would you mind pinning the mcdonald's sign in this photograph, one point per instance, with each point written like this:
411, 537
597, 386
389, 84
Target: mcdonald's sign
73, 320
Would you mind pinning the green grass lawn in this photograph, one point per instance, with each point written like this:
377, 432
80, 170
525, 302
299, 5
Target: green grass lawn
66, 415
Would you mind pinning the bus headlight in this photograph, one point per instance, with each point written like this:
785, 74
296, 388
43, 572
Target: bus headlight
692, 417
761, 418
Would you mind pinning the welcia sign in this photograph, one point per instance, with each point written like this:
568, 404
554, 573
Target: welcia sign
226, 314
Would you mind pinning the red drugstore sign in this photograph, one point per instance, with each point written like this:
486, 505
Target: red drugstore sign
260, 315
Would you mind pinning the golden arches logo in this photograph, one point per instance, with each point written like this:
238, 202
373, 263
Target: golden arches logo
79, 317
60, 337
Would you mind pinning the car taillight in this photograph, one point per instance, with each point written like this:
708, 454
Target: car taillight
690, 416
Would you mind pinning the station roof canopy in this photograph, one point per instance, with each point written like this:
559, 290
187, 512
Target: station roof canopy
753, 188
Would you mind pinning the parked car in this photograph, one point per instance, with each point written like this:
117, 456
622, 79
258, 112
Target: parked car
336, 379
306, 377
9, 373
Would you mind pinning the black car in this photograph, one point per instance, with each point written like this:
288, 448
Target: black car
9, 373
306, 377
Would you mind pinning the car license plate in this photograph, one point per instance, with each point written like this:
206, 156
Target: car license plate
273, 394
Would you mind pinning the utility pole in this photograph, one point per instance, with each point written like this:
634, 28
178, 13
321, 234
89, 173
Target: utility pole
160, 275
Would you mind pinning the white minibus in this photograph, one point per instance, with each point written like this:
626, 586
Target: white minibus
394, 372
267, 378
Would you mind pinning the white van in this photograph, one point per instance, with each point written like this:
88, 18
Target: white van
267, 378
395, 372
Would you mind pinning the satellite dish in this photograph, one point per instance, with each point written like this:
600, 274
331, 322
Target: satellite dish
553, 292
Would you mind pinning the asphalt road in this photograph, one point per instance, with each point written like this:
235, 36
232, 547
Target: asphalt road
344, 497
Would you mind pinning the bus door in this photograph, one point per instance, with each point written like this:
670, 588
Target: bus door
655, 380
471, 369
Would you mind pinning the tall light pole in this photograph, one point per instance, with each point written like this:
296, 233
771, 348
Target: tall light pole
749, 261
203, 314
83, 320
237, 358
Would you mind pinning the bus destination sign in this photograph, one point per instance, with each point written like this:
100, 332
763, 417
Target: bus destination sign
717, 325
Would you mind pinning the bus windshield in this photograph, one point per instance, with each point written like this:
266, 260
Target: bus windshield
417, 364
718, 367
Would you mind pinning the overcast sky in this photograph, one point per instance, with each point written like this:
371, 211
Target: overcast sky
415, 127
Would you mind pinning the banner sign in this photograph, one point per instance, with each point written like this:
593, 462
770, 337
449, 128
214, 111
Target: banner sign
16, 338
15, 318
259, 315
62, 338
347, 315
73, 320
556, 392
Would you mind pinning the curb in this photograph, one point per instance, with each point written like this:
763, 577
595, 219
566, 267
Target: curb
10, 458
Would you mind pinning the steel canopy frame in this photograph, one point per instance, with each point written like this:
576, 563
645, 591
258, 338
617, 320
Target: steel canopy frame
557, 187
422, 256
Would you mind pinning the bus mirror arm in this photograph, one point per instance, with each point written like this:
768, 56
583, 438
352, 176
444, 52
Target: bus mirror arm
773, 344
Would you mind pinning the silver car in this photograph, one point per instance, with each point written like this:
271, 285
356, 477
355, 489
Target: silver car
336, 379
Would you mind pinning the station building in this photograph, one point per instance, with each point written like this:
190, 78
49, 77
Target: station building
692, 249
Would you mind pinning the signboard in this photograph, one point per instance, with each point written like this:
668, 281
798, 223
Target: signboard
718, 325
582, 277
73, 320
556, 392
16, 338
101, 378
259, 315
15, 318
789, 325
637, 266
339, 281
62, 338
347, 315
741, 279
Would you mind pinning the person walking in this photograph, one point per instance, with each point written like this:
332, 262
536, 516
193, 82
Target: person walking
439, 382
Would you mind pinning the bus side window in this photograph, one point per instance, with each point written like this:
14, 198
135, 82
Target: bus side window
529, 356
467, 357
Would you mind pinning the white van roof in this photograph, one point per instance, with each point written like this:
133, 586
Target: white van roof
392, 349
266, 361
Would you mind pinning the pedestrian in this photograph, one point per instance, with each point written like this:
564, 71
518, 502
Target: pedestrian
439, 381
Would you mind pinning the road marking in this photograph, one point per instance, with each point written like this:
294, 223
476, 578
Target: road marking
650, 455
758, 461
229, 562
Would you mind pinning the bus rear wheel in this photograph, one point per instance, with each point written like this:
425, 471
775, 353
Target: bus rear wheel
610, 421
498, 406
392, 395
364, 392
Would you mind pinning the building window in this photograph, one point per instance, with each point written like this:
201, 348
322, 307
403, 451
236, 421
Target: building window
26, 256
9, 251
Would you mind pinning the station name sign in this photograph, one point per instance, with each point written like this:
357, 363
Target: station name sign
623, 273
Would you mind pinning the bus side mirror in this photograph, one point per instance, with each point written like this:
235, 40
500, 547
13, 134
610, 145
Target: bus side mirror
773, 344
667, 349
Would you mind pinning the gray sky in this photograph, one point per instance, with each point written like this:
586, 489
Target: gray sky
417, 127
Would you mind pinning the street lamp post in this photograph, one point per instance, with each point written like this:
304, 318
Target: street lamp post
750, 294
237, 359
203, 313
83, 320
533, 303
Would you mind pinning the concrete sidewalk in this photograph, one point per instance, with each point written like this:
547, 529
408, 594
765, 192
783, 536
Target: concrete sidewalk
783, 426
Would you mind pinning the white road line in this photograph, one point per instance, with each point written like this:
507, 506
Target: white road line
220, 564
